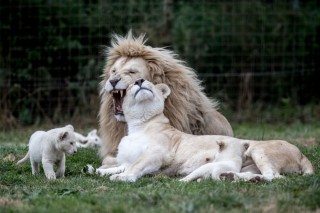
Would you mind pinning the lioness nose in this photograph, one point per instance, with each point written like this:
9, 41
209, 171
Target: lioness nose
139, 81
114, 81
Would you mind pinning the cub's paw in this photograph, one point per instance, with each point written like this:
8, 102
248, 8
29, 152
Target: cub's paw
256, 179
228, 176
123, 177
51, 176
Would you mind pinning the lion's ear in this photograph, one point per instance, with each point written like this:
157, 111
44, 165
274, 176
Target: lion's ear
63, 136
165, 90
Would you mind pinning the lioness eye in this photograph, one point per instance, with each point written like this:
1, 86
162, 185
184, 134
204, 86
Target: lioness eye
113, 71
71, 143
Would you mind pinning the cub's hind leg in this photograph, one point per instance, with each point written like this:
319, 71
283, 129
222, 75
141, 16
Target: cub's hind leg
35, 166
265, 165
203, 172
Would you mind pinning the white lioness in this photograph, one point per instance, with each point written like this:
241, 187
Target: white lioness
153, 145
49, 148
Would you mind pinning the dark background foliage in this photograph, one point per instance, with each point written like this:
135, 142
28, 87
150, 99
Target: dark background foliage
252, 55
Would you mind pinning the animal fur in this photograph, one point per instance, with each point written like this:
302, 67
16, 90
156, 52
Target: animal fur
49, 148
188, 108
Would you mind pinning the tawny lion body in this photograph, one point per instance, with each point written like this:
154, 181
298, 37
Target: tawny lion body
188, 108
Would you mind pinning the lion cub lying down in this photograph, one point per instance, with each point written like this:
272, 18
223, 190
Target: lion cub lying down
49, 148
154, 146
272, 159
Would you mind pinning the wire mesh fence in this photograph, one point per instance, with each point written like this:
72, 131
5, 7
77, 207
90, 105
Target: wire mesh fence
245, 51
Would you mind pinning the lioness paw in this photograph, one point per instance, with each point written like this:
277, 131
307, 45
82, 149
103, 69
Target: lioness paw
185, 179
123, 177
102, 172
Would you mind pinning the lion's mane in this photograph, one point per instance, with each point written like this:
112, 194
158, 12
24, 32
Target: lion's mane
187, 107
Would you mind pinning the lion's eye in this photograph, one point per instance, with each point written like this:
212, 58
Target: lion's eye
113, 71
132, 72
71, 143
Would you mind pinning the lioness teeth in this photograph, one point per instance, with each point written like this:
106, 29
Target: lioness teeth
121, 93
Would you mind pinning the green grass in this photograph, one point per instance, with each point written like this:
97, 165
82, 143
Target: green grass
78, 192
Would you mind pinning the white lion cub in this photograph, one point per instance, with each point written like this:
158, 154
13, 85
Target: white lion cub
49, 148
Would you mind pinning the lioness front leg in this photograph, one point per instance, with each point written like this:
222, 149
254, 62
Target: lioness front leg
146, 164
61, 167
48, 169
111, 171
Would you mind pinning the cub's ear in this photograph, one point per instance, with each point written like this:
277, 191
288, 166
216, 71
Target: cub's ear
245, 145
165, 90
221, 145
63, 135
92, 133
70, 127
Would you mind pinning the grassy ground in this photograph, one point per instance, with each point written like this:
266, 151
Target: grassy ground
78, 192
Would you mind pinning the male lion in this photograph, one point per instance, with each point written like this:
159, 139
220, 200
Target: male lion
188, 108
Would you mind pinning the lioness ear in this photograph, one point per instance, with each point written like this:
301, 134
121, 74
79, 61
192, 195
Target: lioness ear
63, 135
165, 90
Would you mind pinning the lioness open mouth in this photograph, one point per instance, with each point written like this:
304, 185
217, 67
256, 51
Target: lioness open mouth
118, 96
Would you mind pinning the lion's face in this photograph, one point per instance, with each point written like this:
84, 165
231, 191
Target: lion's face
66, 141
124, 72
144, 100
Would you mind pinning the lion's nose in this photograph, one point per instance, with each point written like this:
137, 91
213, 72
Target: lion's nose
114, 81
139, 82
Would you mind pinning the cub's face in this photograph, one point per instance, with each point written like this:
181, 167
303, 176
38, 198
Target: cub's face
93, 138
144, 100
124, 72
67, 141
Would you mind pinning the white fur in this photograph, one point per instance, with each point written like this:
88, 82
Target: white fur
49, 148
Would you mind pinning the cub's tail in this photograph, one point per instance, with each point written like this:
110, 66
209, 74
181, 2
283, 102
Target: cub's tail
306, 166
24, 159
